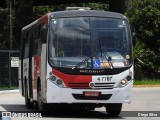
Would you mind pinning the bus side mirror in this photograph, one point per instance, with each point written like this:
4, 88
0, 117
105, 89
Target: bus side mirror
43, 34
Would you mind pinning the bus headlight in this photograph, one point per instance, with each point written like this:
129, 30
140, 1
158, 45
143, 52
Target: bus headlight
57, 81
53, 78
123, 82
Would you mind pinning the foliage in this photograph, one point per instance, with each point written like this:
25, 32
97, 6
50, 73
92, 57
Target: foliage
143, 55
144, 17
139, 53
147, 82
30, 14
4, 29
41, 10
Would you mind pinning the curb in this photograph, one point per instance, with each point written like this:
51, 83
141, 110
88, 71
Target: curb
9, 91
146, 86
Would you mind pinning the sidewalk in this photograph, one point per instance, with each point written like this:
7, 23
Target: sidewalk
9, 91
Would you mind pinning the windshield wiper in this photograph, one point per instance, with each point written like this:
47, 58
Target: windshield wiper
84, 60
108, 58
103, 52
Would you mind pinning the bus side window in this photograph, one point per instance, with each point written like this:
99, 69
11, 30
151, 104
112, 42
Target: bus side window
35, 42
38, 39
26, 46
39, 30
43, 34
23, 37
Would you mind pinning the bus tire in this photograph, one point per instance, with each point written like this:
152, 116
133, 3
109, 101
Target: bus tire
113, 109
28, 104
35, 105
90, 108
42, 107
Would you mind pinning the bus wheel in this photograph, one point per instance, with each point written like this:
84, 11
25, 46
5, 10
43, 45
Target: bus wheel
28, 104
35, 105
113, 109
42, 107
90, 108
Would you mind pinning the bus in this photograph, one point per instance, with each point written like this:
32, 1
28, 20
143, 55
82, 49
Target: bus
80, 58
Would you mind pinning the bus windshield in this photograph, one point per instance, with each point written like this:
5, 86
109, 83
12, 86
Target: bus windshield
85, 40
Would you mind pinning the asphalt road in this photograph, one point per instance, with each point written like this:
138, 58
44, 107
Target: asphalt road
145, 102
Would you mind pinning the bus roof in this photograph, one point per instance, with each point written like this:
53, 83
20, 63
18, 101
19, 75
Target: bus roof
85, 13
43, 18
31, 24
78, 13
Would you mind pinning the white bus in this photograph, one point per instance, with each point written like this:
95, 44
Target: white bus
77, 58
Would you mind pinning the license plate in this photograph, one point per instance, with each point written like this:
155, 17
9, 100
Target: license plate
91, 94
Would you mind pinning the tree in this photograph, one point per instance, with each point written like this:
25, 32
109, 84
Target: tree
41, 10
25, 13
4, 29
23, 16
144, 17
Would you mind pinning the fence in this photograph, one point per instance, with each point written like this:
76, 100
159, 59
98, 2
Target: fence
9, 68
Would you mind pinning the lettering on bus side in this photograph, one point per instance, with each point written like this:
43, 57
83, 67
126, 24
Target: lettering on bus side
91, 71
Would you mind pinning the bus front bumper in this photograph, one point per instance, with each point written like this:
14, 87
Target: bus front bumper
55, 94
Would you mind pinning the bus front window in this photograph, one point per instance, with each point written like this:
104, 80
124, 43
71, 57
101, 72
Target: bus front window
74, 39
70, 41
111, 39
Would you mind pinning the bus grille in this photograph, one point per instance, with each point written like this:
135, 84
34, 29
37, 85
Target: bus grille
104, 85
96, 85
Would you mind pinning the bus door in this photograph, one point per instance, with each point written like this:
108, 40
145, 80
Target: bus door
30, 75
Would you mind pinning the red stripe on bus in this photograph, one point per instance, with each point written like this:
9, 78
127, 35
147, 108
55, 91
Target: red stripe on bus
75, 81
37, 67
44, 19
